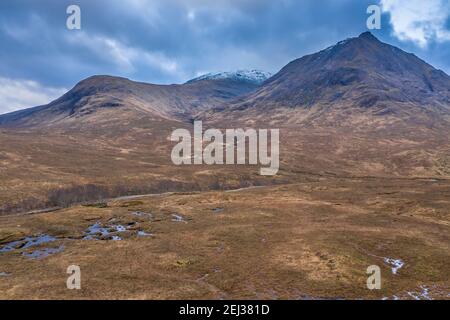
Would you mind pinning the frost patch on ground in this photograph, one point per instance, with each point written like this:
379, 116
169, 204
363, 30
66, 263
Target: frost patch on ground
423, 295
395, 264
423, 292
394, 297
142, 214
178, 218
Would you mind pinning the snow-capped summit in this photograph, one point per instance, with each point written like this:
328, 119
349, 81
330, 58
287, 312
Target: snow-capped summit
254, 76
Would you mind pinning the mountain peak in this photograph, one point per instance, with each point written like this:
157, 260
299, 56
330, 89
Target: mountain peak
367, 35
360, 73
253, 76
365, 39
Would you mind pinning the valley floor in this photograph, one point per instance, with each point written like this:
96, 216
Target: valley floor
312, 240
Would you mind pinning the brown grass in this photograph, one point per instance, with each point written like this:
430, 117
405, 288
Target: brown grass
306, 240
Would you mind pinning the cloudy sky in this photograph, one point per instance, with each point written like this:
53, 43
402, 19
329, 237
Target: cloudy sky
171, 41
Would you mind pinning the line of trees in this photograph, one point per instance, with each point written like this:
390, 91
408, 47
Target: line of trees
91, 193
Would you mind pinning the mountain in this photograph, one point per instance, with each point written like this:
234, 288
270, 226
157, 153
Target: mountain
357, 110
105, 98
357, 77
361, 83
252, 76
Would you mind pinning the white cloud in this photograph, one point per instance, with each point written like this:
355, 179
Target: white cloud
124, 57
420, 21
20, 94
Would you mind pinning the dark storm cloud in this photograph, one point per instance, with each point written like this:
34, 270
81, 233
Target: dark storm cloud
170, 41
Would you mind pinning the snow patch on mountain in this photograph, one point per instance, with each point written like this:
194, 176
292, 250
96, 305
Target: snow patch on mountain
254, 76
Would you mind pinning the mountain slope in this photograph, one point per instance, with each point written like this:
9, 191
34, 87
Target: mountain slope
359, 76
94, 98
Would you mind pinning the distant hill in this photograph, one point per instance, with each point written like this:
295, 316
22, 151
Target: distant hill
118, 98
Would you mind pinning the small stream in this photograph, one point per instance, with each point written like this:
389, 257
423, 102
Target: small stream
29, 242
111, 232
97, 231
